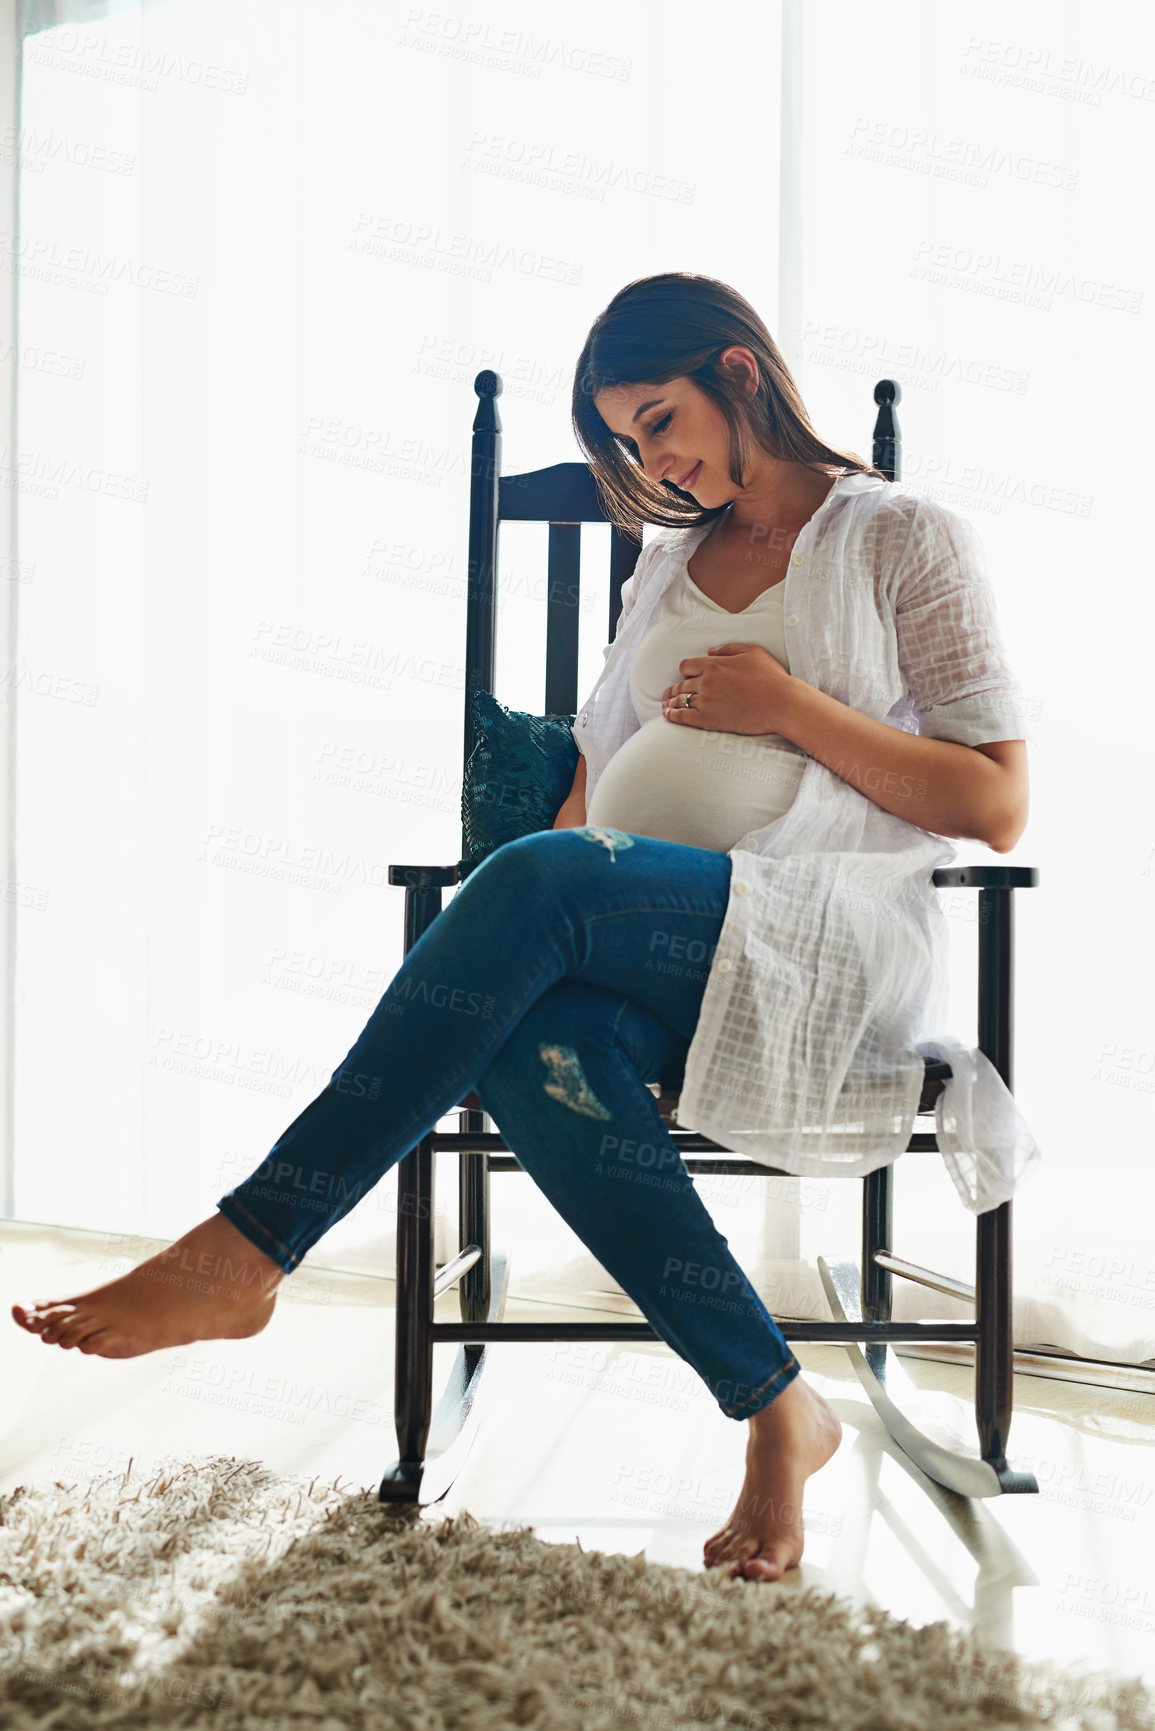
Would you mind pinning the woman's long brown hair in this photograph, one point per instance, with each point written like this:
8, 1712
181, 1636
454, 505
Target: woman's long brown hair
675, 326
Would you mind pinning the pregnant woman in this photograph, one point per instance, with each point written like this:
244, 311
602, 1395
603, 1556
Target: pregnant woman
673, 927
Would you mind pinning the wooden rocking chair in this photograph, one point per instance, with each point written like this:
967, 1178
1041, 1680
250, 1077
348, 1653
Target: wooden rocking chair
432, 1446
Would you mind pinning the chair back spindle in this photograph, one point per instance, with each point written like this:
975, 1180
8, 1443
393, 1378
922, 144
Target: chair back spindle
481, 576
562, 616
887, 449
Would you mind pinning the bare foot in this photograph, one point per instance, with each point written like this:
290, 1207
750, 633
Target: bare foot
212, 1284
789, 1439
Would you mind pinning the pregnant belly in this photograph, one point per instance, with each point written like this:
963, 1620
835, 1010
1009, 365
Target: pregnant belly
695, 786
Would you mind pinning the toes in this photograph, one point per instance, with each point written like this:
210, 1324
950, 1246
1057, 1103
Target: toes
740, 1544
771, 1562
761, 1568
74, 1330
720, 1548
712, 1550
64, 1324
740, 1553
33, 1316
55, 1322
727, 1550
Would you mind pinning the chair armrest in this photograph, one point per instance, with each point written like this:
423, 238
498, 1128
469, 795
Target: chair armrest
984, 877
425, 877
423, 886
996, 961
975, 877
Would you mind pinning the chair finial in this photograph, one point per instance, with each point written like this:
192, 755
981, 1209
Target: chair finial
488, 384
887, 391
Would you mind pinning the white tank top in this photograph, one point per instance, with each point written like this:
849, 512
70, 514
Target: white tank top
688, 784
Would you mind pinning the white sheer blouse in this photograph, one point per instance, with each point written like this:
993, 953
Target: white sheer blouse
829, 982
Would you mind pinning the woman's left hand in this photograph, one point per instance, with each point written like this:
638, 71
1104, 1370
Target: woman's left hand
737, 687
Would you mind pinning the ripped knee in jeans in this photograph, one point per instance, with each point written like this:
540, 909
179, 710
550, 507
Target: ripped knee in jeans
568, 1083
610, 839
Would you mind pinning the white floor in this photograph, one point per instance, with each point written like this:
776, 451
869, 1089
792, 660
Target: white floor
622, 1449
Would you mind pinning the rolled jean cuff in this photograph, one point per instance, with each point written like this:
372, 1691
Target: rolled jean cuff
238, 1216
763, 1395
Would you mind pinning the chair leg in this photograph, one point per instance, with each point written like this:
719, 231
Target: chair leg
433, 1445
413, 1367
475, 1290
877, 1234
994, 1349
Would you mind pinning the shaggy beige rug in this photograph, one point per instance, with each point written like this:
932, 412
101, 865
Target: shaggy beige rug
216, 1594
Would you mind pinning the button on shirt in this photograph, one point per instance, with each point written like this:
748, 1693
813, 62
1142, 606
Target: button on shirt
829, 982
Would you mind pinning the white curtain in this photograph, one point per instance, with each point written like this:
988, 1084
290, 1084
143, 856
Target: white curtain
263, 250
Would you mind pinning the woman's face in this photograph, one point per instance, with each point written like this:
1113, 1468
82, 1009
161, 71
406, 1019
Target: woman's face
677, 434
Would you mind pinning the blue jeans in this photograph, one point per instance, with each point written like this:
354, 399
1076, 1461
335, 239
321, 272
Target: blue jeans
565, 973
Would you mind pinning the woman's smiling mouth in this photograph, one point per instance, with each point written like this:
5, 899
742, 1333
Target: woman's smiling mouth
687, 478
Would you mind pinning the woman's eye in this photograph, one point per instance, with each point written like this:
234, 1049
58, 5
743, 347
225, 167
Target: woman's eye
658, 428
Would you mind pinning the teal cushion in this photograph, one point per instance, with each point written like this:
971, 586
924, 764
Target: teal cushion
518, 777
